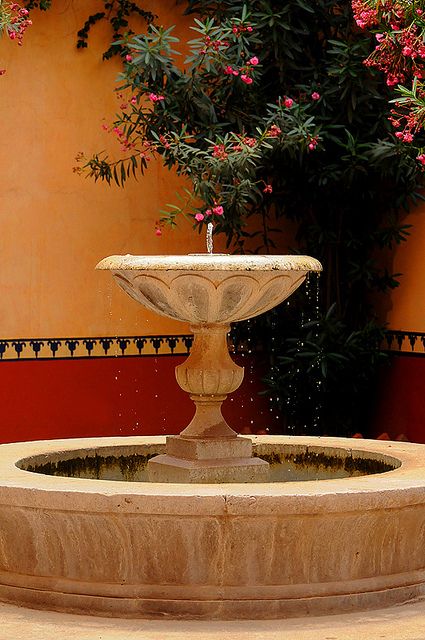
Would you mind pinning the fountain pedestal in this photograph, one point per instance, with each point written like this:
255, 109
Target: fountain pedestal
209, 291
208, 450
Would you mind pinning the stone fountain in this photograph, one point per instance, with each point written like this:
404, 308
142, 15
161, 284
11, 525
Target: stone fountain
209, 291
140, 527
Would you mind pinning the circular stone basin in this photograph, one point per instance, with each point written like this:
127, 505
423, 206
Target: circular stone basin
288, 463
263, 550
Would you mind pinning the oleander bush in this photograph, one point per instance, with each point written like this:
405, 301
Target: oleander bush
275, 121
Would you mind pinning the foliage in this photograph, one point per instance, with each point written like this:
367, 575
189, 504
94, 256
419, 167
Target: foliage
191, 116
116, 12
325, 369
273, 116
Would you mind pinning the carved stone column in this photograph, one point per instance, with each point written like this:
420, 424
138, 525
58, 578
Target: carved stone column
208, 450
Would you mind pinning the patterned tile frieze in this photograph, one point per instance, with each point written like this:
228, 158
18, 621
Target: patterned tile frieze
93, 347
406, 342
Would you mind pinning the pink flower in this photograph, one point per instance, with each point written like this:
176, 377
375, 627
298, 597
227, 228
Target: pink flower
250, 142
249, 29
219, 151
288, 102
228, 71
246, 79
274, 131
199, 217
268, 188
218, 210
421, 158
133, 100
153, 97
158, 232
128, 57
315, 95
208, 212
313, 142
254, 61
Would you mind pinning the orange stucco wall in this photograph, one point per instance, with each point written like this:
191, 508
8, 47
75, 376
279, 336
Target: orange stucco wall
407, 309
54, 224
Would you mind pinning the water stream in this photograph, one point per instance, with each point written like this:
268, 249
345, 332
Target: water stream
209, 238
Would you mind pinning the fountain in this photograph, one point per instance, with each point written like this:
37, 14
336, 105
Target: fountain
209, 291
208, 524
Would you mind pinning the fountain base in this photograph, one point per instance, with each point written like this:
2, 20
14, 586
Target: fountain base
202, 460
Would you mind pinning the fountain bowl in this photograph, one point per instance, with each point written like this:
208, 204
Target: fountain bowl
210, 288
212, 551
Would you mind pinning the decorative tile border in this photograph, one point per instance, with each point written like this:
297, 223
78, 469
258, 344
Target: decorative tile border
93, 347
405, 342
398, 341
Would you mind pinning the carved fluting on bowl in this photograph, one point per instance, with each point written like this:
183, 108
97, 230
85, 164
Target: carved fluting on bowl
209, 297
205, 289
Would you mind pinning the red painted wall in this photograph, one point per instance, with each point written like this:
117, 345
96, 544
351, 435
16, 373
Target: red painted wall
401, 399
106, 397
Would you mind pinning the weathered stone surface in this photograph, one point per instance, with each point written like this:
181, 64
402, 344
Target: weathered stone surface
203, 449
209, 289
166, 468
261, 550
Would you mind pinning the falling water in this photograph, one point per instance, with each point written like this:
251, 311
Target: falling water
210, 244
309, 314
315, 304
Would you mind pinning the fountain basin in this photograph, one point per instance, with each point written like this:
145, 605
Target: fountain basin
209, 289
266, 550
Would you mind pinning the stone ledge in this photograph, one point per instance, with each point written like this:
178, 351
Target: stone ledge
204, 449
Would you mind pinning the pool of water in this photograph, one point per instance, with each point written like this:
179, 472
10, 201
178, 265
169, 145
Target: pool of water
288, 463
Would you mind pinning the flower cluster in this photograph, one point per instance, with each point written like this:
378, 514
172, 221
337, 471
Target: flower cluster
14, 22
399, 54
365, 15
211, 44
245, 72
215, 210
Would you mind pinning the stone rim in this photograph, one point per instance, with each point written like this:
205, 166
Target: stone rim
406, 479
207, 262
